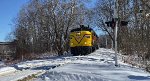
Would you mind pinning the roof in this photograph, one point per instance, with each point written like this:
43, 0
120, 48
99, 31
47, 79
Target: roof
5, 43
82, 28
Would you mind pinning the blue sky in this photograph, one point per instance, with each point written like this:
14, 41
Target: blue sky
9, 10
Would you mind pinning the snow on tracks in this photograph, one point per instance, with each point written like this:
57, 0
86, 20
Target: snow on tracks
24, 69
18, 75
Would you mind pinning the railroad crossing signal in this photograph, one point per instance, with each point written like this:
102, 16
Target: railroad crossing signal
112, 23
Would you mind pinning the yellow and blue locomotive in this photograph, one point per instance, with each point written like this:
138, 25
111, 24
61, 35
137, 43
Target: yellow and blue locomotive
83, 40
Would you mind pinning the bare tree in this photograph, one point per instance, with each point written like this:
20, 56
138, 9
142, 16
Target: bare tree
133, 39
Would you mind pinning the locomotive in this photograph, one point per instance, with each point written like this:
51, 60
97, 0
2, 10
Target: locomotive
83, 40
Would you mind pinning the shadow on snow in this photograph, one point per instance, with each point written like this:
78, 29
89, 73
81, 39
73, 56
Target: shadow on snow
139, 77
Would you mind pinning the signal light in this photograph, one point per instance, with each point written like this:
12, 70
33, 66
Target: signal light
111, 24
124, 23
108, 23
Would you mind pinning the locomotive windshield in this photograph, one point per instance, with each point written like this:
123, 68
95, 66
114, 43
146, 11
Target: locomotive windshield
82, 28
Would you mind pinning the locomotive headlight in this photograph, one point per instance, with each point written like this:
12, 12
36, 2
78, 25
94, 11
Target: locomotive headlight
78, 33
85, 42
71, 43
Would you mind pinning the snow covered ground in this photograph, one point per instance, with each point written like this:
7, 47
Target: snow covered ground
97, 66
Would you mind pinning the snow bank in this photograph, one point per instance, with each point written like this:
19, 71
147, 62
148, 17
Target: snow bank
34, 64
42, 63
5, 70
63, 76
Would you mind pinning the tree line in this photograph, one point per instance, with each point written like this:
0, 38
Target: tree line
133, 39
43, 25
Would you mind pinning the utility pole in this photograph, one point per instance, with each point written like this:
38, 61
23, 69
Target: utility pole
112, 45
106, 39
116, 30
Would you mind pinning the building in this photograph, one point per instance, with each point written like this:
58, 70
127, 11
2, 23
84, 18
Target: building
7, 50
